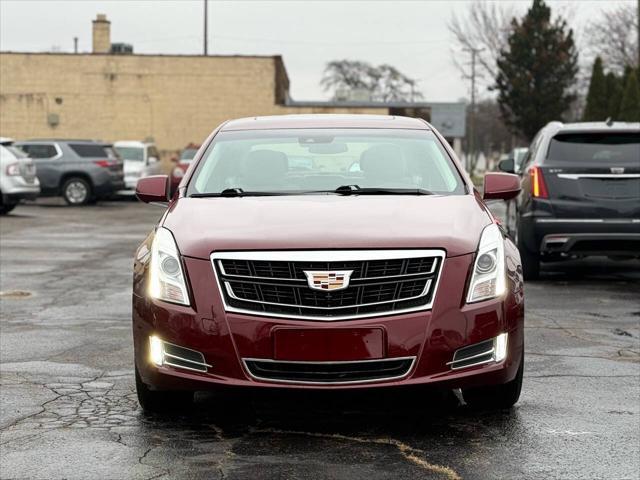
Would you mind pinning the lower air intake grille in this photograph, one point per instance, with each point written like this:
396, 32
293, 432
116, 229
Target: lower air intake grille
329, 372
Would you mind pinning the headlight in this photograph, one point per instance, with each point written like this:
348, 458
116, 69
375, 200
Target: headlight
488, 279
166, 278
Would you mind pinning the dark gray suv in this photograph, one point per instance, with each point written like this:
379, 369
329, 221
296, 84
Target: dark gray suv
80, 170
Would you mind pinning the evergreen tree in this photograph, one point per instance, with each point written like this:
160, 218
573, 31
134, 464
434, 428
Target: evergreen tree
630, 106
614, 95
536, 71
597, 98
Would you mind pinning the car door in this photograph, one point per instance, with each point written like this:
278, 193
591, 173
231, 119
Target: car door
47, 157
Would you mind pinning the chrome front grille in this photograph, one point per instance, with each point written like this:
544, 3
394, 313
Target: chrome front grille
382, 282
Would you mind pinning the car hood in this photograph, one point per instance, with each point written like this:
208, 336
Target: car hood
204, 225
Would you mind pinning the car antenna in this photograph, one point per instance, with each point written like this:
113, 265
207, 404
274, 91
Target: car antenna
608, 121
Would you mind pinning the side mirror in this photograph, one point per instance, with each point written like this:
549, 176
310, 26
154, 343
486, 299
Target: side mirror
153, 189
506, 165
501, 186
152, 160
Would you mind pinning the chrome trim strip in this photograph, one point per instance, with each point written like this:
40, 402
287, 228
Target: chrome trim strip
587, 220
473, 364
309, 382
327, 256
425, 290
187, 360
174, 365
492, 351
407, 275
577, 176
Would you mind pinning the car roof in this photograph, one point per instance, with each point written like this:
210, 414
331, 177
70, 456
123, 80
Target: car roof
131, 143
325, 121
65, 140
579, 127
6, 141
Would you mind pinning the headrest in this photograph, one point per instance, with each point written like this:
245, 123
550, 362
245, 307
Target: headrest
383, 161
265, 167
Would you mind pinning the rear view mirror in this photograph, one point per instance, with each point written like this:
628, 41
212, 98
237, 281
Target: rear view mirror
153, 189
506, 165
501, 186
328, 148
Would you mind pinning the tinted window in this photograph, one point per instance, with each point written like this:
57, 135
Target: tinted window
40, 151
595, 148
88, 150
153, 152
323, 159
131, 153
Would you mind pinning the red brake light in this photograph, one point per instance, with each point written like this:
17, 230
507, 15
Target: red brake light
104, 163
538, 187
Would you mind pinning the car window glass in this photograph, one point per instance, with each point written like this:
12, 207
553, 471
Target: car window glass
135, 154
595, 148
324, 159
92, 150
153, 152
40, 151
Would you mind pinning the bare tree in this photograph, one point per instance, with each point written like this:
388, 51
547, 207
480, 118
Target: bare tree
614, 37
486, 30
384, 82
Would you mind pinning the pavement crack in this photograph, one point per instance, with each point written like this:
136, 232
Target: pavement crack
412, 454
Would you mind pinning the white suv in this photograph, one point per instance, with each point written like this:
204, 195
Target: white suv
18, 179
141, 159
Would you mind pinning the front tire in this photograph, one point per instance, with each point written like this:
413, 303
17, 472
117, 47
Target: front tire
159, 401
76, 191
530, 260
496, 396
6, 208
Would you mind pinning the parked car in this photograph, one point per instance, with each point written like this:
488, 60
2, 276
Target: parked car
182, 164
80, 171
141, 159
18, 179
580, 194
260, 275
518, 155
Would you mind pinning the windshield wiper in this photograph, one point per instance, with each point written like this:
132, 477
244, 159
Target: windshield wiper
236, 192
357, 190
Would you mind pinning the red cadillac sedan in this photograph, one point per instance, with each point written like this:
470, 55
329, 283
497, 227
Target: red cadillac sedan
326, 252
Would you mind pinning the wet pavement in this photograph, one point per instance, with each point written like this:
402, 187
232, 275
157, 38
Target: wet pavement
68, 406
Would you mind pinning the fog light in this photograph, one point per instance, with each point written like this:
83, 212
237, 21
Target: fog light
156, 352
500, 347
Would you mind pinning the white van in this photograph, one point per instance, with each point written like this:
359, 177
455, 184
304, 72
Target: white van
141, 159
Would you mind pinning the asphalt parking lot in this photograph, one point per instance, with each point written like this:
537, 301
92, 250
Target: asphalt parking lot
69, 408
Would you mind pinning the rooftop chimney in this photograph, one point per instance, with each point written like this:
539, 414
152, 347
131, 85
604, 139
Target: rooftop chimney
101, 34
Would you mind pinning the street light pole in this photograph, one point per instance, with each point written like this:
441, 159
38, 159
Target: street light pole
470, 161
206, 36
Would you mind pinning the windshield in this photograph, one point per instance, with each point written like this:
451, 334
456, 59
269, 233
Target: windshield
596, 148
131, 153
319, 160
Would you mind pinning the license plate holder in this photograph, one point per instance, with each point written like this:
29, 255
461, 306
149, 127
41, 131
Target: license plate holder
328, 344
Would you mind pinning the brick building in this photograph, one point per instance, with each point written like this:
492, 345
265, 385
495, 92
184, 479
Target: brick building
172, 99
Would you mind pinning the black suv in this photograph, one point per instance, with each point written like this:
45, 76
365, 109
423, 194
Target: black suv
580, 194
79, 170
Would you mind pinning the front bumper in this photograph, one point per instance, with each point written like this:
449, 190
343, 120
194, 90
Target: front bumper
16, 188
229, 340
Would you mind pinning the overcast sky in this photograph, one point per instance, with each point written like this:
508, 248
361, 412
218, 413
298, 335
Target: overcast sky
411, 35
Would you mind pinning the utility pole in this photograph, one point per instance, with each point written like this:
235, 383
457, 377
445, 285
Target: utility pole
206, 36
472, 120
638, 24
